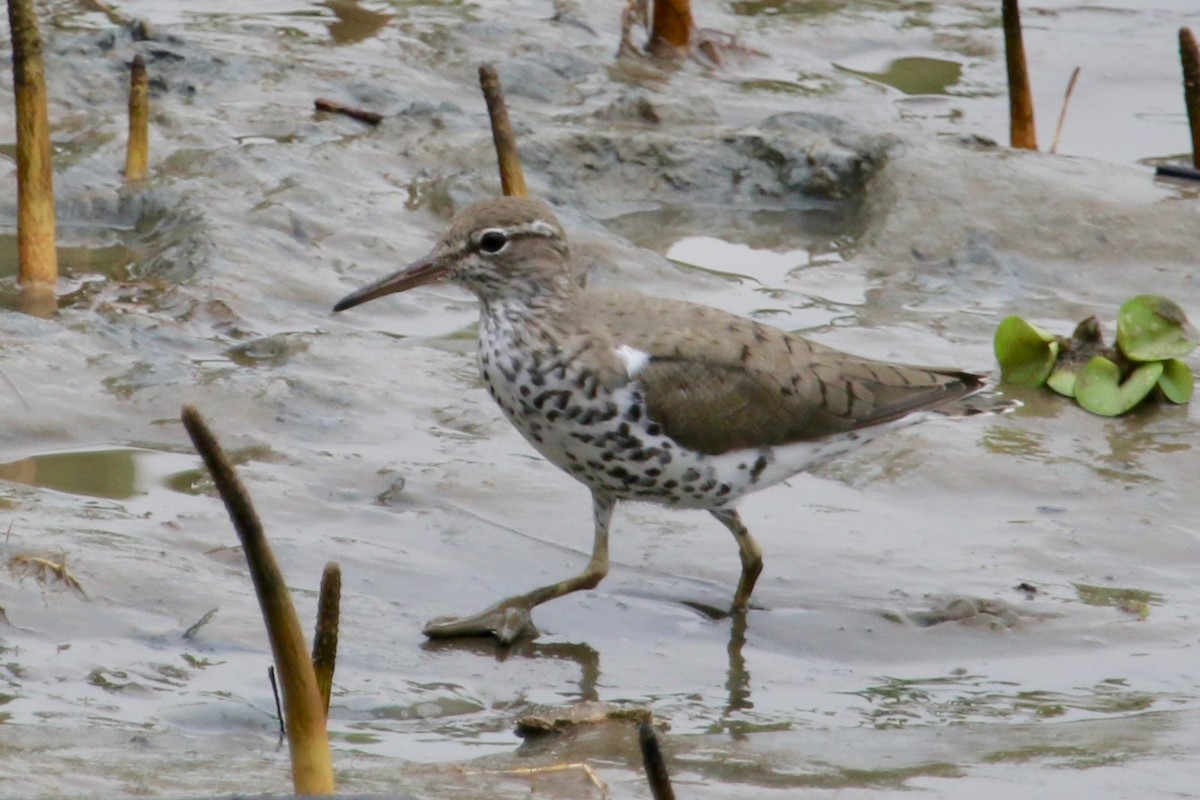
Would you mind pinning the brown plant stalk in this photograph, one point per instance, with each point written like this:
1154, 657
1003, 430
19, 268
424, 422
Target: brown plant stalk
1020, 99
512, 177
308, 741
35, 182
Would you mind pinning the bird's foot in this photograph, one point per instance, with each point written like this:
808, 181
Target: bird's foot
507, 620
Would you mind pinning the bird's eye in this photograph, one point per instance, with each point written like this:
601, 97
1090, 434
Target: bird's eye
493, 241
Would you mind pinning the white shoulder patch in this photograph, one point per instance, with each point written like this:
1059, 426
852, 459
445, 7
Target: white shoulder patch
634, 360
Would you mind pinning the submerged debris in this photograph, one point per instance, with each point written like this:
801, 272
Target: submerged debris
558, 720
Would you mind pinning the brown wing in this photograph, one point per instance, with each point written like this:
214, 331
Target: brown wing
717, 382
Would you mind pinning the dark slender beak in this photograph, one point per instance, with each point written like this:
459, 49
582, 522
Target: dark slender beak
420, 272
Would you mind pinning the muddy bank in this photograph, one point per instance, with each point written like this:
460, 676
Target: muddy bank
789, 188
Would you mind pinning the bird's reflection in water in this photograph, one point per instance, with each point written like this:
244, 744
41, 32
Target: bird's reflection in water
584, 655
737, 679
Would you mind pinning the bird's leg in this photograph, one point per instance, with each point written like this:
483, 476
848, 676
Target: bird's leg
511, 618
752, 561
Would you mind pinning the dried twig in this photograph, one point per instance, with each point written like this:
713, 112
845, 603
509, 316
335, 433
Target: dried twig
360, 114
45, 571
1062, 115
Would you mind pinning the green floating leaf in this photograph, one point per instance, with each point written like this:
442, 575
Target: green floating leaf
1176, 381
1153, 328
1026, 353
1099, 389
1062, 379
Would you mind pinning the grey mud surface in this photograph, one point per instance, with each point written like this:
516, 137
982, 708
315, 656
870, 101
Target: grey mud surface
978, 608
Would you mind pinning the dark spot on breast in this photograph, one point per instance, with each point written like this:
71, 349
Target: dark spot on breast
574, 411
724, 490
525, 390
623, 429
607, 455
671, 484
653, 472
560, 397
708, 485
691, 475
633, 413
654, 429
759, 466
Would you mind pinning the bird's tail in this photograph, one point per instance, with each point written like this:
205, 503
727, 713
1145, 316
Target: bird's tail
985, 399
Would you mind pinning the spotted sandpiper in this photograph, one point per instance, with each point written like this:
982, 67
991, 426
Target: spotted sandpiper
646, 398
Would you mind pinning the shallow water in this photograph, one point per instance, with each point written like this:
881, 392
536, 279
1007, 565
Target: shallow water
366, 437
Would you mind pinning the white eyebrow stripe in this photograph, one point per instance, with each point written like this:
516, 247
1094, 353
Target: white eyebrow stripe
634, 360
538, 227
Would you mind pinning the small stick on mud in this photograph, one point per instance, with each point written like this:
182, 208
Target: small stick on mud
671, 28
655, 766
512, 177
1189, 54
38, 271
137, 149
1062, 115
278, 707
325, 639
308, 742
360, 114
1020, 98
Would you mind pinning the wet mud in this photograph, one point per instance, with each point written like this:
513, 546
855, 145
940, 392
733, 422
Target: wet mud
983, 607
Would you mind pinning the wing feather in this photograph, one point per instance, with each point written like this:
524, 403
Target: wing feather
717, 382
